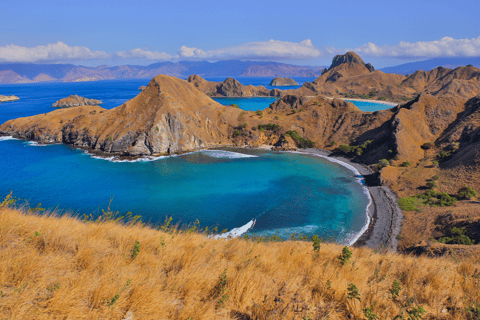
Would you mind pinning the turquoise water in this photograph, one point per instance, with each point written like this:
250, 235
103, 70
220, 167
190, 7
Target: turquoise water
284, 193
370, 106
250, 104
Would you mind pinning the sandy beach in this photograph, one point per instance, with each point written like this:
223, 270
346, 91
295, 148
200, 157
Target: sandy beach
393, 104
385, 215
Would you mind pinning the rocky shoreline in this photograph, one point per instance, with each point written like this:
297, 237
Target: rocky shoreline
385, 215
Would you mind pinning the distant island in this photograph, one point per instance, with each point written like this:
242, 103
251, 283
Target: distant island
8, 98
29, 72
283, 82
75, 101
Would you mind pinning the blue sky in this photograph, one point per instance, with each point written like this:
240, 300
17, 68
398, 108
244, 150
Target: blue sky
304, 32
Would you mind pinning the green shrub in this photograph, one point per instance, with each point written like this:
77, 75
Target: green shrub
345, 256
466, 193
259, 113
435, 177
276, 117
135, 250
316, 243
352, 292
432, 185
332, 143
299, 140
269, 126
383, 163
405, 164
234, 105
237, 133
408, 203
458, 237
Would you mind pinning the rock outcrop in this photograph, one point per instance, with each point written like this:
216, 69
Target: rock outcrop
231, 88
283, 82
141, 88
8, 98
75, 101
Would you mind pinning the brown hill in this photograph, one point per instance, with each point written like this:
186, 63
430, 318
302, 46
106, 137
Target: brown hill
169, 116
349, 77
75, 101
231, 88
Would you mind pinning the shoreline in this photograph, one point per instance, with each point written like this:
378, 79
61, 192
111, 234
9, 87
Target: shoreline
385, 216
393, 104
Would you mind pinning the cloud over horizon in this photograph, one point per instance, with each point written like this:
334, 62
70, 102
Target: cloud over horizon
445, 47
260, 50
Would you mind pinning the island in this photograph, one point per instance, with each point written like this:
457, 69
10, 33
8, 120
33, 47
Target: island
8, 98
75, 101
283, 82
424, 151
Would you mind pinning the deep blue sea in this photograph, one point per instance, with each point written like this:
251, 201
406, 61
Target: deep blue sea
284, 193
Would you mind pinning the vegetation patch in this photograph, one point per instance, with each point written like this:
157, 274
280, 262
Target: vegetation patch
299, 140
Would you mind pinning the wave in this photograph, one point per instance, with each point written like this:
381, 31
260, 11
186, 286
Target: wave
36, 144
226, 154
358, 178
237, 232
5, 138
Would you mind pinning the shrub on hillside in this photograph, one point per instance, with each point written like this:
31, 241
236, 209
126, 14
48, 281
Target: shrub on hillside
427, 146
432, 185
299, 140
408, 203
405, 164
458, 237
383, 163
466, 193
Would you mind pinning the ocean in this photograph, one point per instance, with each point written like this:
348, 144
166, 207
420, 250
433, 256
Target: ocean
254, 191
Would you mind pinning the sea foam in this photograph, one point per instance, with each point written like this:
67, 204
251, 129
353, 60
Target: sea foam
237, 232
226, 154
7, 138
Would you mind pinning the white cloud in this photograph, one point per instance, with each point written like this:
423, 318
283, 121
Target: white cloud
261, 50
143, 55
52, 52
445, 47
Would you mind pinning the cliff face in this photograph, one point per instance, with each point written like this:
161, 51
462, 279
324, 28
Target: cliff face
75, 101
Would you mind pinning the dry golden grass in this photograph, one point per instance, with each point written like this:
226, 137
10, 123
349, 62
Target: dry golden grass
61, 268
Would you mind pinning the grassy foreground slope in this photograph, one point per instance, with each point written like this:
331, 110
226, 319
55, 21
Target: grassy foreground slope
62, 268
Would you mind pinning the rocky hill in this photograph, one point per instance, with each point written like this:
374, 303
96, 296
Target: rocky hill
75, 101
350, 77
8, 98
283, 82
231, 88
